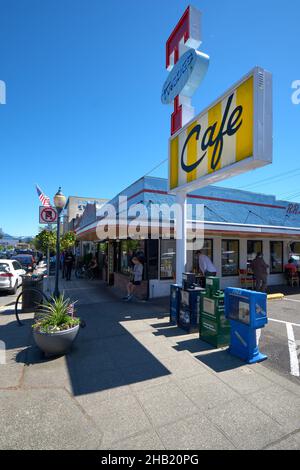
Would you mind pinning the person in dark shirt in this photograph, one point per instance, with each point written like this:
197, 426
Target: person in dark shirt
260, 271
69, 261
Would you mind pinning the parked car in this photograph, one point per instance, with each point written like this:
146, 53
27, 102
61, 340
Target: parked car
11, 273
26, 261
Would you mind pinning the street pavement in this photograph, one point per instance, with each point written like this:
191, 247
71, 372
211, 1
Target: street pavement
280, 340
133, 381
7, 299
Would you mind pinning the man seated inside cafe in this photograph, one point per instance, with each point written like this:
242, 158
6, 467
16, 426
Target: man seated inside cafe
291, 267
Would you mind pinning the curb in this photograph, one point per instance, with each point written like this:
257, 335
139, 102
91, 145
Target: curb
275, 296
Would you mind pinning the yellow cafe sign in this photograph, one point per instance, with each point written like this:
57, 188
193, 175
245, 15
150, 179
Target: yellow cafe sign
232, 136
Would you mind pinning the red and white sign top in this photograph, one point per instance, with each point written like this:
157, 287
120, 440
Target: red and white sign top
186, 35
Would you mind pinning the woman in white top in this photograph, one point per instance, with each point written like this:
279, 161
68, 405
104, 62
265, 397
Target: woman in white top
136, 278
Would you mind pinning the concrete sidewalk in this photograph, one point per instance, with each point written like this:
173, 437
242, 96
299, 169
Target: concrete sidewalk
132, 381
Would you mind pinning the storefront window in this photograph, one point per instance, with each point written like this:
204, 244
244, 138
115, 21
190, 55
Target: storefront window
128, 249
295, 252
276, 257
152, 257
206, 250
230, 257
167, 259
253, 248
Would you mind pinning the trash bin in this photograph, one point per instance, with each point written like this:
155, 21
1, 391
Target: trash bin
31, 299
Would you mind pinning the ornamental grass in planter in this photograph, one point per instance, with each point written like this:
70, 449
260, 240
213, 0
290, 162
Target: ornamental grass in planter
56, 326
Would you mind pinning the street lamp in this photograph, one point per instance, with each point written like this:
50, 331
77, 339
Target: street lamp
59, 203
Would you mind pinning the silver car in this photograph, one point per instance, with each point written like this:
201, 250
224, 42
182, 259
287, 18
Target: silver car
10, 275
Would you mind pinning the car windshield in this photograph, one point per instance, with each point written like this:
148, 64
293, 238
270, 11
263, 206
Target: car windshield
24, 259
4, 267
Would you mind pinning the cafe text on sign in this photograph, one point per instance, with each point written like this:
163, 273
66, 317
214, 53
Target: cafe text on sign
232, 136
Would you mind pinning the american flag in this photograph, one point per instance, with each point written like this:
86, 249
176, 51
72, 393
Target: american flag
45, 200
71, 310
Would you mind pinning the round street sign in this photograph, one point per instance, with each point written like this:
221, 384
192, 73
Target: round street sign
48, 215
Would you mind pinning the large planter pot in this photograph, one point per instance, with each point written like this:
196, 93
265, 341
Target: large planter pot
56, 344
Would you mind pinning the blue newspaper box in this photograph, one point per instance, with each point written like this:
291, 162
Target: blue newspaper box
189, 311
175, 298
247, 311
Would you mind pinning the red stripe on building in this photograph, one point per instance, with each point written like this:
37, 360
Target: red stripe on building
210, 198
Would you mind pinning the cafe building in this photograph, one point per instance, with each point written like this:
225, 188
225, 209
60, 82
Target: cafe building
237, 225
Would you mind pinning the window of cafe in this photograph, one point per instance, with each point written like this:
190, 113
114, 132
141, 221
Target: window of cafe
276, 257
230, 257
129, 248
167, 259
295, 251
206, 250
253, 248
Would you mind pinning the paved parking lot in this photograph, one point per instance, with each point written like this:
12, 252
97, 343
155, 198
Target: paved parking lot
280, 339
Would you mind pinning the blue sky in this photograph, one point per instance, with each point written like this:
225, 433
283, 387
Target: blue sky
84, 80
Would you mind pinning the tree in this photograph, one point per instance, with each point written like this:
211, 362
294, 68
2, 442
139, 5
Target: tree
67, 240
44, 240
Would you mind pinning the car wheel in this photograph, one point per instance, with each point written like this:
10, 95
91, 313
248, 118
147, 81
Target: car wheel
14, 289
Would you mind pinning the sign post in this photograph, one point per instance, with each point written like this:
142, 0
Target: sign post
230, 137
49, 229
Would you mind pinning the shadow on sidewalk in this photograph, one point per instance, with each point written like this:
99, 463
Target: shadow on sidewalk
16, 336
193, 345
220, 360
169, 332
104, 356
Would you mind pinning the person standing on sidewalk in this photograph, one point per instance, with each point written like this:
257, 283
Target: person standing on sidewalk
93, 266
69, 261
136, 278
260, 272
206, 266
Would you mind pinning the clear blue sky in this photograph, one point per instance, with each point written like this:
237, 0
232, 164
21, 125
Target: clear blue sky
84, 80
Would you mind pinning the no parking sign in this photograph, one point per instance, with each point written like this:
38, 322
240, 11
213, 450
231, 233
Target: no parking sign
48, 215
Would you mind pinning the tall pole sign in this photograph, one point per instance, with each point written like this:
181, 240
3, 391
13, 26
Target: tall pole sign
231, 136
187, 67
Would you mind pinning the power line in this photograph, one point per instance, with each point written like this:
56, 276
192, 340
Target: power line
288, 174
257, 215
289, 194
157, 166
215, 213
